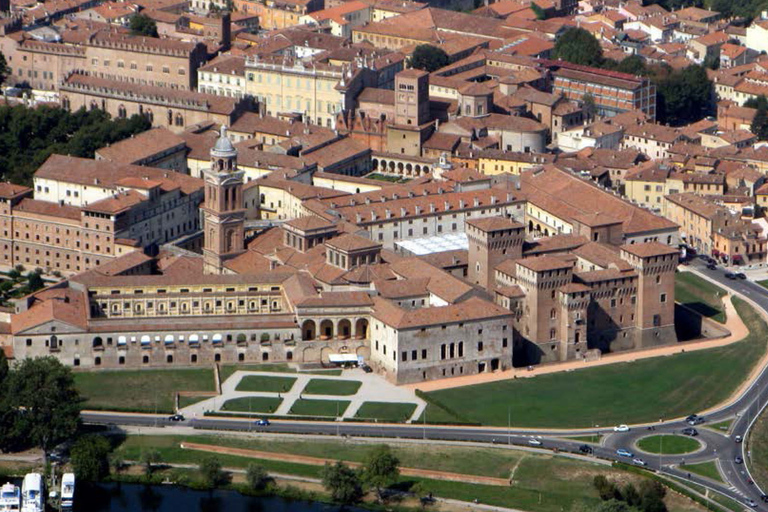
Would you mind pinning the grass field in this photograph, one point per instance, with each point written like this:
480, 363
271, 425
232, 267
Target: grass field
706, 469
140, 390
385, 411
332, 387
266, 404
543, 483
587, 439
757, 442
669, 386
186, 401
319, 407
265, 384
700, 295
721, 426
668, 445
227, 370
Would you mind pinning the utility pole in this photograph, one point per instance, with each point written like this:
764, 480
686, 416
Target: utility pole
509, 425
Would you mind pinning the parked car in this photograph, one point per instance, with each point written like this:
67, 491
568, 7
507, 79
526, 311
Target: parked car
690, 431
534, 442
366, 368
639, 462
730, 275
586, 449
621, 428
741, 275
712, 266
738, 460
176, 417
621, 452
263, 422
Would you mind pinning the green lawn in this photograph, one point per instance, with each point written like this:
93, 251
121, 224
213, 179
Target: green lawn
332, 408
721, 426
385, 411
332, 387
544, 483
668, 444
227, 370
670, 387
266, 404
757, 442
706, 469
140, 390
595, 439
265, 384
700, 295
186, 401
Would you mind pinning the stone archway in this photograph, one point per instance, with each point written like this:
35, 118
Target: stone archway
308, 330
326, 329
344, 330
325, 354
361, 329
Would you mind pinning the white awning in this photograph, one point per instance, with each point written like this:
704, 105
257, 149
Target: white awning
145, 340
194, 338
122, 340
342, 358
217, 337
169, 339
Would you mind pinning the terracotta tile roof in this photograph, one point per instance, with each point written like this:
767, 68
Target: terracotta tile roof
49, 209
543, 263
402, 288
118, 203
489, 224
53, 304
696, 204
337, 299
514, 291
574, 288
85, 171
141, 146
554, 244
10, 190
349, 242
649, 249
473, 309
449, 288
309, 223
597, 276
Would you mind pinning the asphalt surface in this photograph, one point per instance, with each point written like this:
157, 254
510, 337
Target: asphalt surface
715, 446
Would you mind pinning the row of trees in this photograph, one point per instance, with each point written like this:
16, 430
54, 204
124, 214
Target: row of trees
682, 96
39, 404
648, 497
379, 471
28, 136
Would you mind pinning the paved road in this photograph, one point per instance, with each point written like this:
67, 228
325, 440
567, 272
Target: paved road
716, 446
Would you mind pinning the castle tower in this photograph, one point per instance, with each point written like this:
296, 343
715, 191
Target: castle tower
411, 125
655, 265
491, 241
223, 212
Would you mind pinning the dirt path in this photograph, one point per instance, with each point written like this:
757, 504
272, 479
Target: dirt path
317, 461
733, 323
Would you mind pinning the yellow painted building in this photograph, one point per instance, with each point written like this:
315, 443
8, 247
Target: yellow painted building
493, 161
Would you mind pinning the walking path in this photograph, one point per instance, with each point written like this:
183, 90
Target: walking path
374, 388
317, 461
733, 324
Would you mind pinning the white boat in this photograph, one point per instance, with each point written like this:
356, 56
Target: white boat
32, 497
67, 490
10, 498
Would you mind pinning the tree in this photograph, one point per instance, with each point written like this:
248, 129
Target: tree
614, 506
683, 96
211, 472
143, 25
4, 369
4, 71
760, 121
630, 495
578, 46
42, 395
380, 468
588, 106
90, 458
342, 482
149, 456
34, 282
429, 58
634, 65
538, 11
256, 476
652, 496
605, 488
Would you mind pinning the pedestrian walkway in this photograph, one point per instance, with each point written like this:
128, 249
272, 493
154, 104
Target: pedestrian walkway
373, 388
733, 324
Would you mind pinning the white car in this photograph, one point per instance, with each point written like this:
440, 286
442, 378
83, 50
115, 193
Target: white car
639, 462
534, 442
621, 428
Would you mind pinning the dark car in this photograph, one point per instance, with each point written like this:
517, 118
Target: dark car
585, 448
741, 275
176, 417
764, 497
366, 368
730, 275
712, 266
690, 431
738, 460
262, 422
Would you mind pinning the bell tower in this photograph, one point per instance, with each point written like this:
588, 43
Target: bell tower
223, 211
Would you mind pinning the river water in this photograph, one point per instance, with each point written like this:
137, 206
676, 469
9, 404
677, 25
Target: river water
169, 498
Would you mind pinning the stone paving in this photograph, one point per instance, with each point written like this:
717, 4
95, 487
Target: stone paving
374, 388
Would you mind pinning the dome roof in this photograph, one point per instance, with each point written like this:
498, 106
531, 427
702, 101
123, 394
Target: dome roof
223, 146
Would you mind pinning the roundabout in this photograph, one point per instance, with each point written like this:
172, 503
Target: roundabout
669, 444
